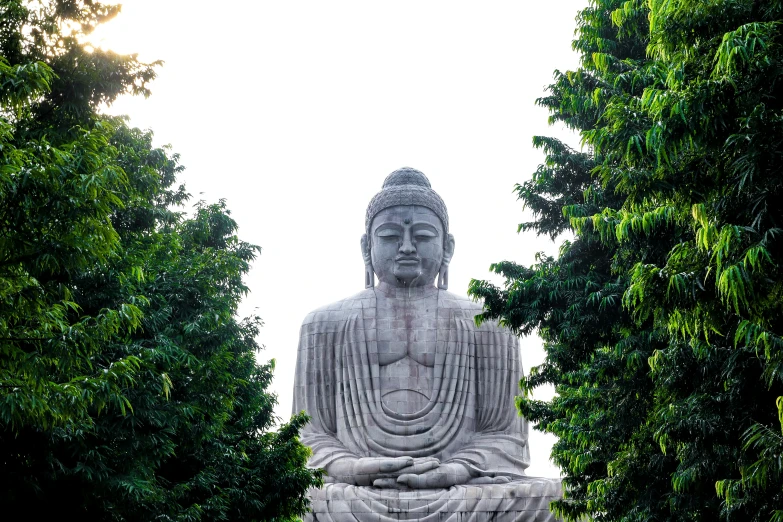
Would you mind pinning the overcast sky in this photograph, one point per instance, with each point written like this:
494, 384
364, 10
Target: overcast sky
295, 111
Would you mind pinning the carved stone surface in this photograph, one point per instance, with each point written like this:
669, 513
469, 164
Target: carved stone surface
412, 404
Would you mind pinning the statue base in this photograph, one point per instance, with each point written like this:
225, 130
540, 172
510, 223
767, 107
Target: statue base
523, 500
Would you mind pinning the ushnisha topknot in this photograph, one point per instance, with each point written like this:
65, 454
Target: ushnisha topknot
407, 186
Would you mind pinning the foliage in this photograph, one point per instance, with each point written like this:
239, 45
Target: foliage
129, 390
662, 318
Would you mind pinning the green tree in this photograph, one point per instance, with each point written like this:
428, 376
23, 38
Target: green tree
662, 317
60, 183
128, 388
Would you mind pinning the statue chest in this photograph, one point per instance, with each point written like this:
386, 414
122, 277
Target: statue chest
407, 338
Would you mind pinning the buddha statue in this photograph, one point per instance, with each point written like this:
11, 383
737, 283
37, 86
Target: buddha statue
411, 403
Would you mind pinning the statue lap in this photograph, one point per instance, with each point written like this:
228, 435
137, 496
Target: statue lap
523, 500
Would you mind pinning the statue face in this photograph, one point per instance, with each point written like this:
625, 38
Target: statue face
407, 245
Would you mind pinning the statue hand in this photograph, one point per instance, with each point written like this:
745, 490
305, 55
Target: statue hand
419, 466
444, 476
365, 471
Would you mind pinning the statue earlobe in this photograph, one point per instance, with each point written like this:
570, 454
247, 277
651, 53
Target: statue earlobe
369, 274
443, 277
448, 252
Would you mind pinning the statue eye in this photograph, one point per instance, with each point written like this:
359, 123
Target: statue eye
388, 235
424, 235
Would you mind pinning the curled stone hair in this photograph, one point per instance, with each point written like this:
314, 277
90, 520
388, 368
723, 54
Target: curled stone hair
407, 186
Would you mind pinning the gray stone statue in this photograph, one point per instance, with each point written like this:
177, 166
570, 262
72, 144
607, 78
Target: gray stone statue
412, 404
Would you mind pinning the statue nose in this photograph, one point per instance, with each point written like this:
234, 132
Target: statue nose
407, 246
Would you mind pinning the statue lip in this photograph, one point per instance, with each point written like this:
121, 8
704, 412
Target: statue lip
407, 260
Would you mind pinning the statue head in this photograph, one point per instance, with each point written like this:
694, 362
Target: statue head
407, 241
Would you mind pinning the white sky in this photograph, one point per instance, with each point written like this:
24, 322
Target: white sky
296, 111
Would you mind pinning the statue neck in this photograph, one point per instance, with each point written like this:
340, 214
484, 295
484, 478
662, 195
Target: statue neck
411, 292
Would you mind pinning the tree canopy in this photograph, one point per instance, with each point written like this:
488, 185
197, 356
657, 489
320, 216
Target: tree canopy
662, 314
129, 389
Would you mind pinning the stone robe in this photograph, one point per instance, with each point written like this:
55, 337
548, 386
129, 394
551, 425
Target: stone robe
469, 418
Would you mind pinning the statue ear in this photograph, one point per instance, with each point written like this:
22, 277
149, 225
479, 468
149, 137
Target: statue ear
448, 252
369, 275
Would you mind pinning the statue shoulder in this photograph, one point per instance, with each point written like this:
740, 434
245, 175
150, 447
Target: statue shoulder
342, 309
467, 308
459, 302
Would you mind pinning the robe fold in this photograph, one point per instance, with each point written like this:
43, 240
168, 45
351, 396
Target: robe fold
470, 417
